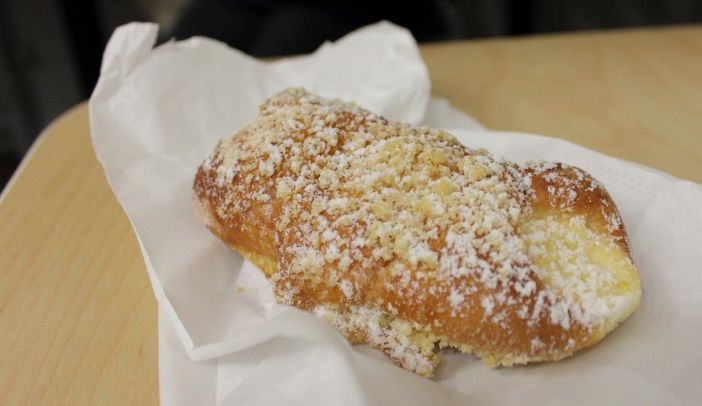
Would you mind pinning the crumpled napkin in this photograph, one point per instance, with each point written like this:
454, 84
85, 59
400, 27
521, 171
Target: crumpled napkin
157, 112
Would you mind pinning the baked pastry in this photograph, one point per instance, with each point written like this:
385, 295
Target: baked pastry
405, 239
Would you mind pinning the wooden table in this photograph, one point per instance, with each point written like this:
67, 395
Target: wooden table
77, 316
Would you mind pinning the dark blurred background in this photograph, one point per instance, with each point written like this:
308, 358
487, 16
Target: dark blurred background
50, 51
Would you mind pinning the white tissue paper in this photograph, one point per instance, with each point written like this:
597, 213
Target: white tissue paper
157, 112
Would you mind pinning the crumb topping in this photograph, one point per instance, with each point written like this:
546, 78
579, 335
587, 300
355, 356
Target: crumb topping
402, 341
363, 200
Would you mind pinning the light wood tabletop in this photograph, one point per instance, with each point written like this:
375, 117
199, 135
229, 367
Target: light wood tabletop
633, 94
78, 322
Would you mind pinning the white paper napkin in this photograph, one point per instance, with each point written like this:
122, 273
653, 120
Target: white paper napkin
157, 112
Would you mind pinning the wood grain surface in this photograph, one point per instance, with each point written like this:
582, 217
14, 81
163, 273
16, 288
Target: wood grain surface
633, 94
77, 316
78, 319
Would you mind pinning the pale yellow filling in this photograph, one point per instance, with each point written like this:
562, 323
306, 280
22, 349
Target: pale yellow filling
583, 267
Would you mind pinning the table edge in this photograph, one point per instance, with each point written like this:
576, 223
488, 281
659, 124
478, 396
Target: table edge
29, 154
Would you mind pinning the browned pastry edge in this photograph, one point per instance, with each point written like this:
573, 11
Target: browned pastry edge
559, 191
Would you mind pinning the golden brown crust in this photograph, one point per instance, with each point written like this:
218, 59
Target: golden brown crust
381, 221
590, 199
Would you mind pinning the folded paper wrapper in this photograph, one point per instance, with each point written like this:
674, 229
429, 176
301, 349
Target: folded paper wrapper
157, 112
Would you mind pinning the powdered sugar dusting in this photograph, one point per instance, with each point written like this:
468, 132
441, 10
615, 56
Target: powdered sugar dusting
424, 222
398, 339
